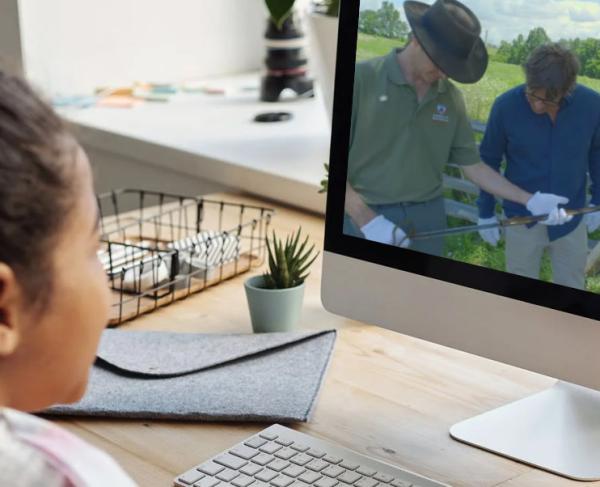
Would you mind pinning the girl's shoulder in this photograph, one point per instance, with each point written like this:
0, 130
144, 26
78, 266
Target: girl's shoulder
21, 463
72, 460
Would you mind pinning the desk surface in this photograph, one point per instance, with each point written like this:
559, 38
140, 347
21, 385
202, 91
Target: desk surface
214, 137
386, 395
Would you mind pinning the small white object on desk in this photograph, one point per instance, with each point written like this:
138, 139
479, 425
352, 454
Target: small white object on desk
205, 250
145, 276
119, 255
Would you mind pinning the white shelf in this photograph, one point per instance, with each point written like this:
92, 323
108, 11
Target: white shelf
214, 137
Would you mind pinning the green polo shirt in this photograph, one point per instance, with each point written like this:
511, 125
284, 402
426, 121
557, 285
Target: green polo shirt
398, 146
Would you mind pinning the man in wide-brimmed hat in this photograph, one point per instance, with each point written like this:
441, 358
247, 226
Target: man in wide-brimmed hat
548, 132
409, 121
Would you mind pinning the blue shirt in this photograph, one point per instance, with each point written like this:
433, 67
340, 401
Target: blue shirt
542, 155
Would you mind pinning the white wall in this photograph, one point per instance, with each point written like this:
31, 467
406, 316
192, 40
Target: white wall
75, 46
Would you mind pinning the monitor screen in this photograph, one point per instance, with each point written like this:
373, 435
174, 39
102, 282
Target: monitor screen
466, 145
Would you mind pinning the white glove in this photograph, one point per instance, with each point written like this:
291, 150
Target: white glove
380, 229
547, 204
490, 235
592, 221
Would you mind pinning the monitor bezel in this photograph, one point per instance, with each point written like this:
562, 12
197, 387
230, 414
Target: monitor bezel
533, 291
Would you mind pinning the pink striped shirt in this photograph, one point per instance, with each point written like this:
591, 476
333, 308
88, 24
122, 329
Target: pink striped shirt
36, 452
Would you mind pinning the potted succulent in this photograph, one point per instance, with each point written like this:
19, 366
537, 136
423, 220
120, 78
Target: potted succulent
275, 297
323, 22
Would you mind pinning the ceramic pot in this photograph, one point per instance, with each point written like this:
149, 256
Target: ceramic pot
273, 310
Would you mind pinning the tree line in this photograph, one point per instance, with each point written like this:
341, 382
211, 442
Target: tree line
517, 51
384, 22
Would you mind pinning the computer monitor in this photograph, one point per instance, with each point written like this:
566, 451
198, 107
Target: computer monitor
462, 296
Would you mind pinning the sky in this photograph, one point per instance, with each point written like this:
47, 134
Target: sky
505, 19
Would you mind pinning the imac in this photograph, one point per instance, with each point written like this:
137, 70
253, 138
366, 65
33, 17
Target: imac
474, 306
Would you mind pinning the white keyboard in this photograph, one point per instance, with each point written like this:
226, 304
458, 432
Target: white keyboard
281, 457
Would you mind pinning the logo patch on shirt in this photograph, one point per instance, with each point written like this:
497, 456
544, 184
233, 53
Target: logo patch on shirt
440, 114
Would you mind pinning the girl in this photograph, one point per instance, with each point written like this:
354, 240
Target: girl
53, 294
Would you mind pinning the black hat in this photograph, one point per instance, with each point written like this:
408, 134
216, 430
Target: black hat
449, 33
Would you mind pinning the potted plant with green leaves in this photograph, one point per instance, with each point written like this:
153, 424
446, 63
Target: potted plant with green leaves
275, 297
323, 23
286, 63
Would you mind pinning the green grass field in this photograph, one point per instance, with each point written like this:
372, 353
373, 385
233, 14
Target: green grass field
479, 98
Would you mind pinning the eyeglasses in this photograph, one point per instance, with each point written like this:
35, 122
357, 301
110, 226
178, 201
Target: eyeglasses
546, 102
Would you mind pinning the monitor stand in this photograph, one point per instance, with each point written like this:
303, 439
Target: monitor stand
557, 430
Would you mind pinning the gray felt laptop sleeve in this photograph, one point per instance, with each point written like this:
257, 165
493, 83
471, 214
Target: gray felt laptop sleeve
272, 377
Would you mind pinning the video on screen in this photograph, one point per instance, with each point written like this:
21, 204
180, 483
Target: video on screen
475, 134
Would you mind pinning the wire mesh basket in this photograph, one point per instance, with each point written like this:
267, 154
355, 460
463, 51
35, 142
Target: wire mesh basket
158, 248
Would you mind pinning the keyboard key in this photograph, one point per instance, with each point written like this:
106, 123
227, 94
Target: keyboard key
317, 465
255, 442
262, 459
207, 482
349, 465
325, 482
301, 459
366, 471
332, 459
284, 441
278, 465
244, 452
282, 481
349, 477
270, 448
366, 482
315, 453
299, 483
299, 447
293, 471
259, 483
190, 477
227, 475
383, 477
242, 481
402, 483
268, 436
210, 468
251, 469
309, 477
266, 475
285, 453
333, 471
230, 461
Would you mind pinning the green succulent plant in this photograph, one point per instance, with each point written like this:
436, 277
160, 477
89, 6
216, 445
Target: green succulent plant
280, 11
289, 261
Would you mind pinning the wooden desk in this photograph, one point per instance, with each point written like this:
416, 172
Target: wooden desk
386, 395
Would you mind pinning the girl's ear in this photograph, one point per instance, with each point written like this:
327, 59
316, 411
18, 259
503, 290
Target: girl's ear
10, 293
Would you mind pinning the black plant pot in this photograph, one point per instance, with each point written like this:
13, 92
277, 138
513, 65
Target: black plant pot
286, 63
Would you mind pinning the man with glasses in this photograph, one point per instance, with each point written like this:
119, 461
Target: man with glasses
548, 132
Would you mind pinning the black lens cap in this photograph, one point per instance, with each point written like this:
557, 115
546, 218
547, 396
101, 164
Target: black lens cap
273, 117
